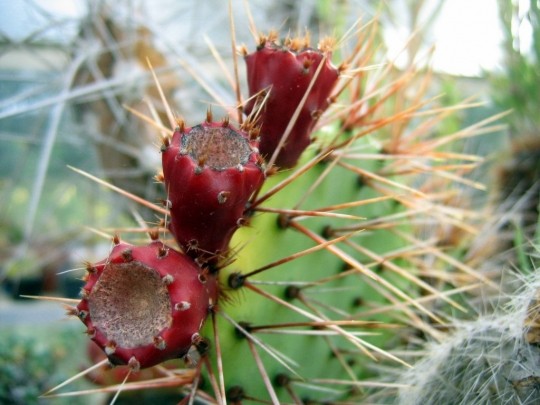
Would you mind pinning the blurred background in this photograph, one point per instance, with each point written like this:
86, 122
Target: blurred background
67, 69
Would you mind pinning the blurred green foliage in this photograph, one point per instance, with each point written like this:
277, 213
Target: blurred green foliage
518, 87
31, 364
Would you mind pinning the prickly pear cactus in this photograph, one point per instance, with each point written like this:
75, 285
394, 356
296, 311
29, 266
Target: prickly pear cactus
358, 232
338, 255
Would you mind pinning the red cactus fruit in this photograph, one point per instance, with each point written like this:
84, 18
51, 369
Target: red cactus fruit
284, 74
143, 305
210, 172
107, 375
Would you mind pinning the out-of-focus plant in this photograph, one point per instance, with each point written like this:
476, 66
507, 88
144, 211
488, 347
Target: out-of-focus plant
30, 364
517, 88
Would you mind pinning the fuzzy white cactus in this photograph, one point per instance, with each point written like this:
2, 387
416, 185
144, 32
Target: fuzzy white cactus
493, 360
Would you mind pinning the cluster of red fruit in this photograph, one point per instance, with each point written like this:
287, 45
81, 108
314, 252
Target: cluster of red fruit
143, 305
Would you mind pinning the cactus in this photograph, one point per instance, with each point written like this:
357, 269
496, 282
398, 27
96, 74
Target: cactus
291, 84
358, 239
143, 305
210, 171
493, 359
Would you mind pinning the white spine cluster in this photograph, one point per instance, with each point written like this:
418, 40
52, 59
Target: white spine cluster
493, 360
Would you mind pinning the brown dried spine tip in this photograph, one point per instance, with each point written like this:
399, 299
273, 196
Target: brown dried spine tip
181, 125
261, 42
159, 177
165, 142
116, 240
327, 45
273, 36
242, 50
90, 268
71, 311
254, 134
341, 68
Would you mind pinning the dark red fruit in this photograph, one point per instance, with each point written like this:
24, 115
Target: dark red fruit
210, 172
107, 375
286, 72
146, 304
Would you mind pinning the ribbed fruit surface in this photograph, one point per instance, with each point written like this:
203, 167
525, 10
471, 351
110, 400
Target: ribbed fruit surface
287, 75
210, 172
